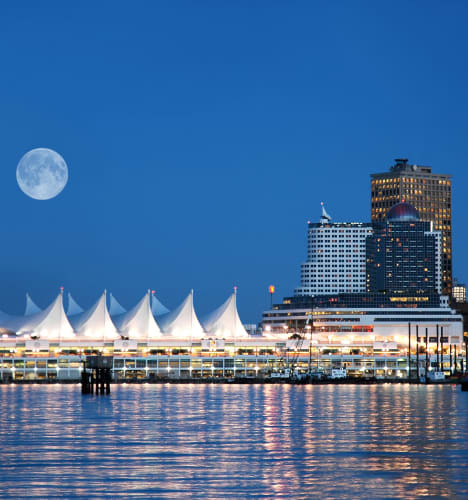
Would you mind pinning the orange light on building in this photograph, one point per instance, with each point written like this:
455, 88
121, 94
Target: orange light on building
271, 289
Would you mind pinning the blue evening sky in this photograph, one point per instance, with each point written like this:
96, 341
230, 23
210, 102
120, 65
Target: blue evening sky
201, 137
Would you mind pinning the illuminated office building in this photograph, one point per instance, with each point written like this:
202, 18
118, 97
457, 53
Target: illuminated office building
428, 192
403, 254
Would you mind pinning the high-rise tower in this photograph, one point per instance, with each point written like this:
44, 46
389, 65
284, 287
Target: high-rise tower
403, 254
336, 257
429, 193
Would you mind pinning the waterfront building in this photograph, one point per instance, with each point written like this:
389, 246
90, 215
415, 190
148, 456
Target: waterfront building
403, 254
369, 341
381, 326
336, 257
402, 312
365, 313
428, 192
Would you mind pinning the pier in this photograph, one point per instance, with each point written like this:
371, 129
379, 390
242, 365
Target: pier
96, 375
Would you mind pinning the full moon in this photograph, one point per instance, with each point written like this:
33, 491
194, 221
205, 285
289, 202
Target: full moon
42, 174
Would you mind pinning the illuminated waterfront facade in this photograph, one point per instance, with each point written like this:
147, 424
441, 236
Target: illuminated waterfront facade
429, 193
369, 341
371, 334
381, 353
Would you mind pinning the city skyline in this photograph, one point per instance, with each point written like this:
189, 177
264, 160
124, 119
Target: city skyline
196, 155
429, 192
230, 232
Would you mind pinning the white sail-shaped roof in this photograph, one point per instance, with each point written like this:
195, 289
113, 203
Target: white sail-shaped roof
225, 321
96, 322
115, 309
31, 307
157, 307
139, 322
73, 308
51, 323
182, 322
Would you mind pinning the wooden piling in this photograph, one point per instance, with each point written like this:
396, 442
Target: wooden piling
96, 375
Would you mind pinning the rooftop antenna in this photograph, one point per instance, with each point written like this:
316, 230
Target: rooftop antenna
325, 217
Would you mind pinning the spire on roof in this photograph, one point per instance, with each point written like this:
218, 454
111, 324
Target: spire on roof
325, 217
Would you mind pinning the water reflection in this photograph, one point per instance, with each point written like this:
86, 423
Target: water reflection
211, 441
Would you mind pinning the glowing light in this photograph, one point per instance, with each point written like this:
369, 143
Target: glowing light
271, 289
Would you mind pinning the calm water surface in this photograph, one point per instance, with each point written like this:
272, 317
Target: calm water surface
238, 441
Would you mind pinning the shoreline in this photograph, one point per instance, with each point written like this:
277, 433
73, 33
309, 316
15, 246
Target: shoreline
240, 381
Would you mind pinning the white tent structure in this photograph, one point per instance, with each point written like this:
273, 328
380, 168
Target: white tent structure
224, 322
139, 322
182, 322
96, 322
115, 309
157, 307
73, 308
49, 324
31, 307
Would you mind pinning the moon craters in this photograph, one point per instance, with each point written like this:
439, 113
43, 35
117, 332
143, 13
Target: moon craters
42, 174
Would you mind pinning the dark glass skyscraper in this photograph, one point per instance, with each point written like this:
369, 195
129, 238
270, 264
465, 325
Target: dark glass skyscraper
403, 254
429, 193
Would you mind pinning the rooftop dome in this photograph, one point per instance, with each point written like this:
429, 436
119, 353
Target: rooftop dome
402, 212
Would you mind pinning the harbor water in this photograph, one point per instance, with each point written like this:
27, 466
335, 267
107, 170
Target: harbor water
237, 441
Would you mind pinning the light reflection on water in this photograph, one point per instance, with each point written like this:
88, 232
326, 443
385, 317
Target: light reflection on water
212, 441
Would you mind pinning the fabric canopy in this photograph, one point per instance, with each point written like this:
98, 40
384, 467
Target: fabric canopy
139, 322
115, 309
51, 323
73, 308
182, 322
31, 307
157, 307
224, 322
96, 322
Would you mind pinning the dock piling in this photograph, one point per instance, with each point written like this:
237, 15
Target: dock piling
97, 381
